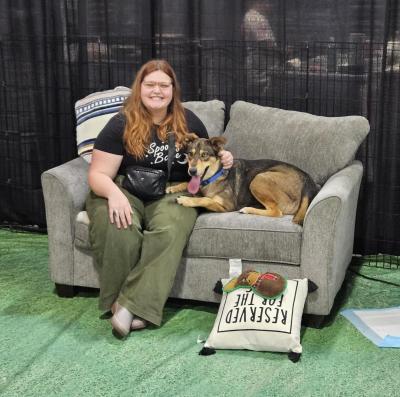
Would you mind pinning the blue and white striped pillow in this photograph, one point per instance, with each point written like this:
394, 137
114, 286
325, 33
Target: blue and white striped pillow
92, 114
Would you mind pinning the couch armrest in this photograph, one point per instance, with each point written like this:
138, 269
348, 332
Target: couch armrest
328, 236
65, 189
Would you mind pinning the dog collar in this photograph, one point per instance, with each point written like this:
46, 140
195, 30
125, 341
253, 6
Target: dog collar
212, 178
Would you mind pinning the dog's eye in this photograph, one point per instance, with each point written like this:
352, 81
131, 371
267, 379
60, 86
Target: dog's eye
204, 155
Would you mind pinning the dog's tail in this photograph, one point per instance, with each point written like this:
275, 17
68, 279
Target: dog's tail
301, 212
310, 189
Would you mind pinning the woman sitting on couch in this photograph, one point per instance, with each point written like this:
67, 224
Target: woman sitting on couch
138, 245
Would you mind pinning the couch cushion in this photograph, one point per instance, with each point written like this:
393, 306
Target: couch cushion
249, 237
231, 235
82, 230
211, 113
319, 145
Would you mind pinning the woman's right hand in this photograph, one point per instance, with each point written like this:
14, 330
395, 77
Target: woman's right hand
103, 169
119, 209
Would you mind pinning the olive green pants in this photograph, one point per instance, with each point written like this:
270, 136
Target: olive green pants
137, 265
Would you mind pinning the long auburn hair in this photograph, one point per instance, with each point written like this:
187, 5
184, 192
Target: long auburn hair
138, 119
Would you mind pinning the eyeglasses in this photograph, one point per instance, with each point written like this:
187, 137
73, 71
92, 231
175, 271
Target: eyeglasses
150, 85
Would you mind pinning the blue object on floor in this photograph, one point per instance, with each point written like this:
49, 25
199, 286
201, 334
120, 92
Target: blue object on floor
381, 326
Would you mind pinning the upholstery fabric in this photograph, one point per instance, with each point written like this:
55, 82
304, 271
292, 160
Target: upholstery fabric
85, 272
211, 113
82, 230
249, 237
328, 233
65, 188
318, 145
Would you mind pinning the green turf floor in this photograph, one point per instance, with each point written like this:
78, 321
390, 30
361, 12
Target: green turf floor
60, 347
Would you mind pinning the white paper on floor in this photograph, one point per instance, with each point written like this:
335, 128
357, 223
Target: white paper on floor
381, 326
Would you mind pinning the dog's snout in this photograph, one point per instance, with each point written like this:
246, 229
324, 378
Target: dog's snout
192, 171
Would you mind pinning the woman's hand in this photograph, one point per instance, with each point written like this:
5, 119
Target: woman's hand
226, 159
119, 209
103, 169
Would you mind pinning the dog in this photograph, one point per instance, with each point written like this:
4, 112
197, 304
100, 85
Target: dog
261, 187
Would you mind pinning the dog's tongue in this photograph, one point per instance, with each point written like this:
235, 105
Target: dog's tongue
194, 185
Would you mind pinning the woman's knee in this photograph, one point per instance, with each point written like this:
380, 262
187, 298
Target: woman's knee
98, 220
174, 230
176, 220
100, 226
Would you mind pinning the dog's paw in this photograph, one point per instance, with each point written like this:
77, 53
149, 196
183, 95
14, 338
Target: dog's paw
180, 187
244, 210
182, 200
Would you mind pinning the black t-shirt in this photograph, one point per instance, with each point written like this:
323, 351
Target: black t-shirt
110, 140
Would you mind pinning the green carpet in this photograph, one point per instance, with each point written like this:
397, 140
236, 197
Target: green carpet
52, 346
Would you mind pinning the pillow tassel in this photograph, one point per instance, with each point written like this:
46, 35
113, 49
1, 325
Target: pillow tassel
294, 357
206, 351
218, 287
312, 286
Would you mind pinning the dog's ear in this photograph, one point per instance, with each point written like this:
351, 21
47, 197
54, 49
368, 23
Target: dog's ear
188, 139
217, 143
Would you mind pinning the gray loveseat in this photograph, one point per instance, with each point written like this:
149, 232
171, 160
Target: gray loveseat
320, 250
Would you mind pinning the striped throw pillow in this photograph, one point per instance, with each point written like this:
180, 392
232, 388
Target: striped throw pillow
92, 114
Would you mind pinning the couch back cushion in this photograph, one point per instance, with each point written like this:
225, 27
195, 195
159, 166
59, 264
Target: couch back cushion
95, 110
211, 113
318, 145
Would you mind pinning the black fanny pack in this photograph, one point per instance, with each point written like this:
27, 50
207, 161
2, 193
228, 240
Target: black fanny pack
148, 183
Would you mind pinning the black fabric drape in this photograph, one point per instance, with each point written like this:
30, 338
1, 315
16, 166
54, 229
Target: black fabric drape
325, 57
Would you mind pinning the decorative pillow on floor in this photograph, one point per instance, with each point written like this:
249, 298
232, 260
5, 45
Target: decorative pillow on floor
246, 320
92, 114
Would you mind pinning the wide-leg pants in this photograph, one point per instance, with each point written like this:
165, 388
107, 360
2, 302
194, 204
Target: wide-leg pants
137, 265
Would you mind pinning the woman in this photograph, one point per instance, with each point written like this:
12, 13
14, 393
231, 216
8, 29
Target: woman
138, 245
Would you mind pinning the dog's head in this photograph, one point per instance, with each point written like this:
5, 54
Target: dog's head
202, 153
203, 159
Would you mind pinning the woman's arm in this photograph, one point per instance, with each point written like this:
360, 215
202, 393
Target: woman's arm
103, 169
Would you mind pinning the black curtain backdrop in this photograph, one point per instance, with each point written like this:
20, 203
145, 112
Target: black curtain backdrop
325, 57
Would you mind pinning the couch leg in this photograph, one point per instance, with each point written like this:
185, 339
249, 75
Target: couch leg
65, 291
313, 320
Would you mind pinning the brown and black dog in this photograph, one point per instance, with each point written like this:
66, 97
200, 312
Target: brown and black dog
281, 188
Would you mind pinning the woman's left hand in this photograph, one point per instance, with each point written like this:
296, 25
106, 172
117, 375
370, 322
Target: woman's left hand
226, 159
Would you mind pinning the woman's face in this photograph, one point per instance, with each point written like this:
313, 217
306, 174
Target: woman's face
156, 92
